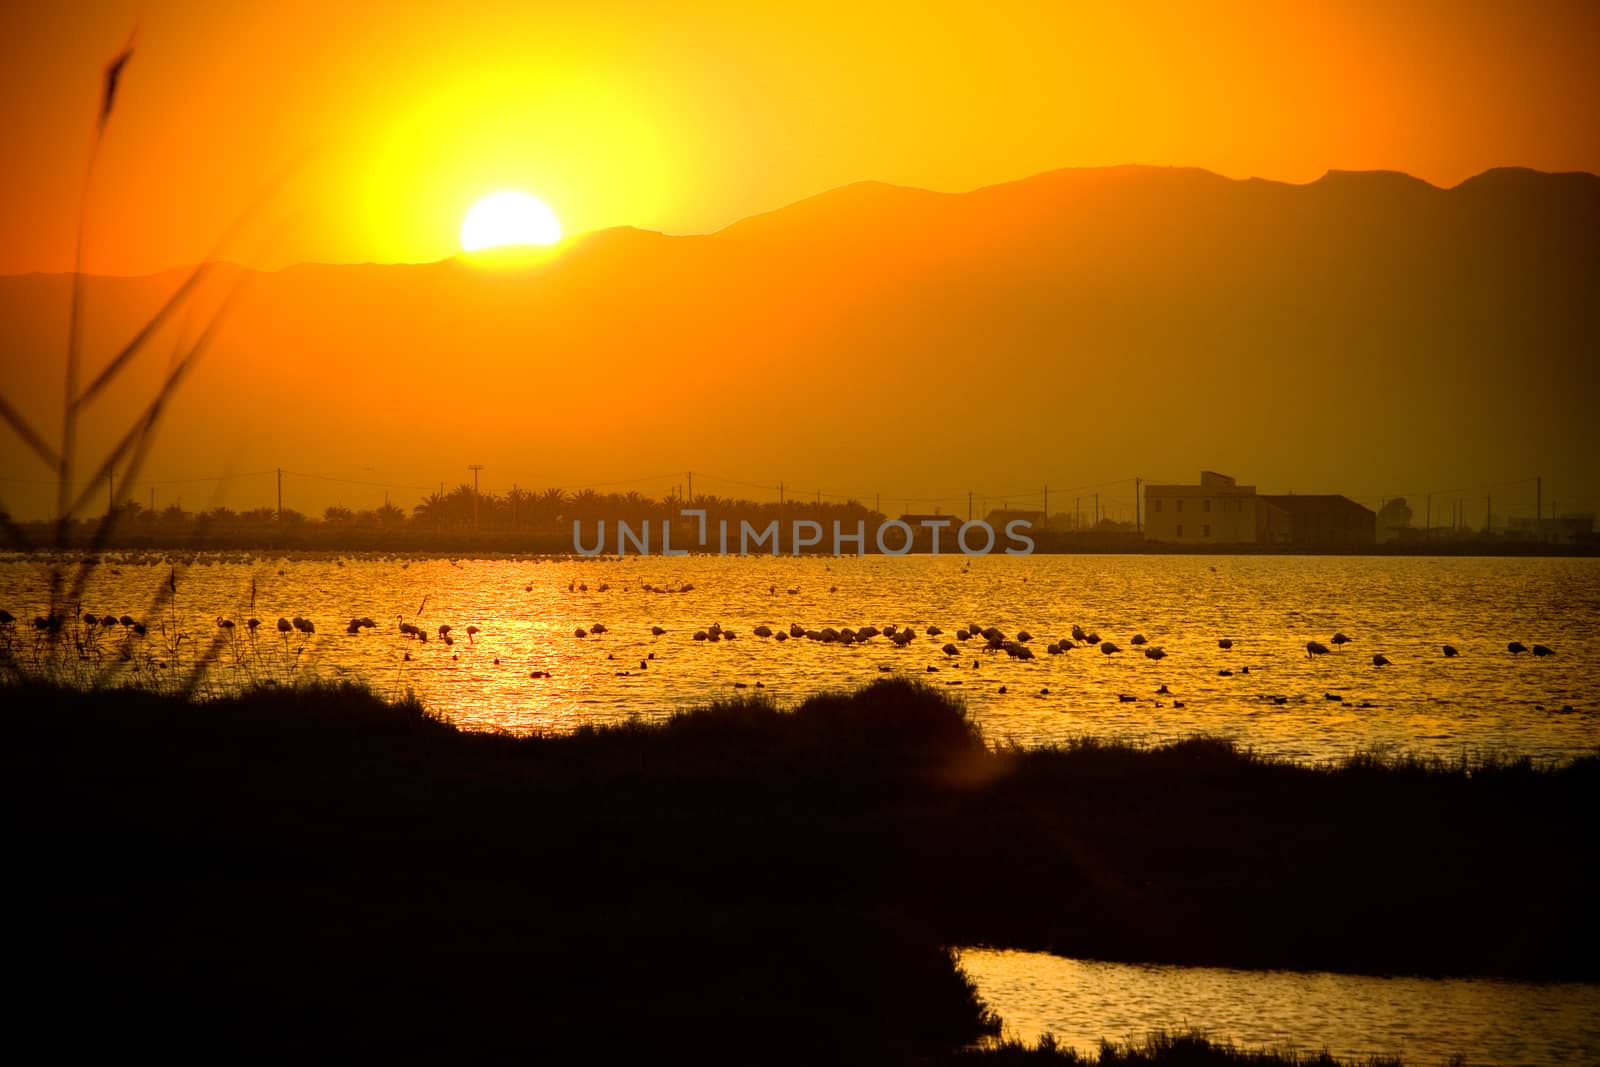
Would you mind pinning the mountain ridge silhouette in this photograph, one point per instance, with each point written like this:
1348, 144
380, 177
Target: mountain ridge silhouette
1365, 333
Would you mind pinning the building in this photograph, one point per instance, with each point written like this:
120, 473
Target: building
1219, 511
999, 517
1571, 529
1319, 520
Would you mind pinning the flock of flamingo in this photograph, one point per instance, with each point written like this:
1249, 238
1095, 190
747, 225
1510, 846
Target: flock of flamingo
991, 639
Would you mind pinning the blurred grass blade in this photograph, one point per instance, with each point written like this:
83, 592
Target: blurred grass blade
136, 440
114, 69
190, 283
28, 434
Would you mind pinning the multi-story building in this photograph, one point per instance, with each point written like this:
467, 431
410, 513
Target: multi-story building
1219, 511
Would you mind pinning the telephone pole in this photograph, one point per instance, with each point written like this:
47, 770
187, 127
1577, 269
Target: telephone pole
1047, 503
474, 468
691, 488
1538, 506
280, 495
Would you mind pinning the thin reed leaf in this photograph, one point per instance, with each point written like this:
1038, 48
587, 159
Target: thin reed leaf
29, 435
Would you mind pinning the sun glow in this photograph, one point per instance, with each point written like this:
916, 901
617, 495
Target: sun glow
511, 218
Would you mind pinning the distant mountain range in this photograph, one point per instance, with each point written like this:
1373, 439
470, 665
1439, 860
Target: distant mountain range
1365, 333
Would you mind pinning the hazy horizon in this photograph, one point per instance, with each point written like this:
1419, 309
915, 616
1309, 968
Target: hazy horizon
895, 278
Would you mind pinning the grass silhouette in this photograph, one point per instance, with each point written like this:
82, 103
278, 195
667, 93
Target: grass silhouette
321, 869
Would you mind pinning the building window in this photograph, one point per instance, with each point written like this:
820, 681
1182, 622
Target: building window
1205, 531
1206, 504
1180, 529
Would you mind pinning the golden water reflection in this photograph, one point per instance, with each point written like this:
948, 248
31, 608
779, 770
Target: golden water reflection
1264, 691
1424, 1021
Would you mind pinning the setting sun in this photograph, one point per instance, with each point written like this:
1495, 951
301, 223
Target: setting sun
511, 218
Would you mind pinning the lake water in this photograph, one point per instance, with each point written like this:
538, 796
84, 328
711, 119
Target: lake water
1426, 1021
1276, 698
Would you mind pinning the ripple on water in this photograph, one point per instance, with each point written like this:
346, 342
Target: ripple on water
1484, 700
1423, 1020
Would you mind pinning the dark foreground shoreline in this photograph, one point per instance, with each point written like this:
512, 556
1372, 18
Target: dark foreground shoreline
320, 871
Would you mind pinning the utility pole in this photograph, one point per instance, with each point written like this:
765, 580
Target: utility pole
691, 488
780, 496
1047, 503
1097, 511
877, 503
474, 468
1077, 514
280, 495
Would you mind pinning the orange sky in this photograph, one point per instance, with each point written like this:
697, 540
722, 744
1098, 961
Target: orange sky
685, 117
